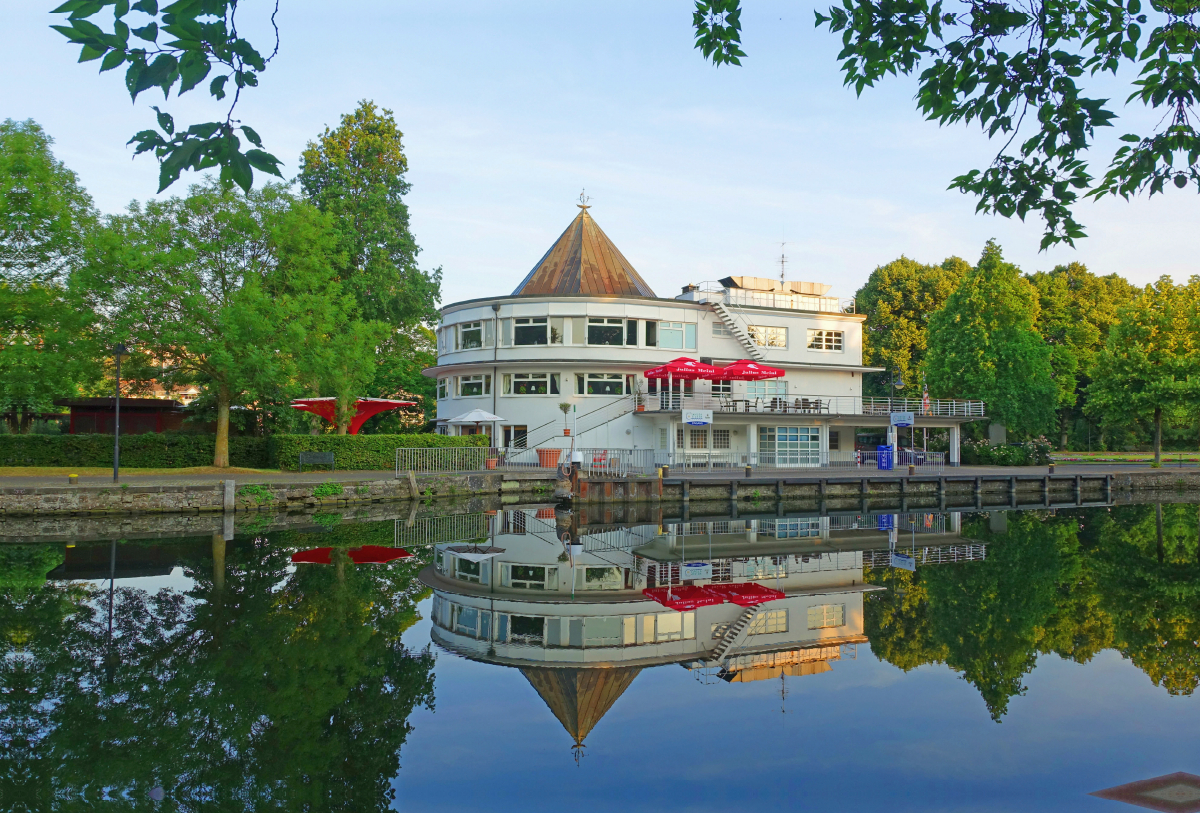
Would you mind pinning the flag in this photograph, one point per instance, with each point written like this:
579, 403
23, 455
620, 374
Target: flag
925, 401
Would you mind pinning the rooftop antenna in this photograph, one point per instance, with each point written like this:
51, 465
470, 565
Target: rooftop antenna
782, 263
583, 200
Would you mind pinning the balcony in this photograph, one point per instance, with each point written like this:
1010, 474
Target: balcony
712, 292
838, 405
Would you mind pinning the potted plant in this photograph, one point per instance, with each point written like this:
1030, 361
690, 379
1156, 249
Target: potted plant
565, 406
639, 395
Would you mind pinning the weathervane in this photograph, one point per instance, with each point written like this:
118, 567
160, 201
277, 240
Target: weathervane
583, 200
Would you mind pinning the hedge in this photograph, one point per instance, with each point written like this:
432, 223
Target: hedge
1030, 453
169, 450
179, 450
366, 452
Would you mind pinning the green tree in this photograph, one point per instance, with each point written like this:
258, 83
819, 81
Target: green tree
226, 287
356, 173
1142, 372
984, 344
898, 300
398, 375
1017, 70
1076, 310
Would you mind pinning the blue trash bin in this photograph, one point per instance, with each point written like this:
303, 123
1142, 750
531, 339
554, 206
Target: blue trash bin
887, 458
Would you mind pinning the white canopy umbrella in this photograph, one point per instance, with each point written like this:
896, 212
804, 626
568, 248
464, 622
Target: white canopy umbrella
476, 416
473, 553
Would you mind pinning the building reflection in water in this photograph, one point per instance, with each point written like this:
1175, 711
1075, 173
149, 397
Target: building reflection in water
561, 598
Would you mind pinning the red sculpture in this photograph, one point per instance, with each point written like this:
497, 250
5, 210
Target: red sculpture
364, 408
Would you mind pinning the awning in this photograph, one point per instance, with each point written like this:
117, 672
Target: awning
683, 369
745, 594
747, 370
364, 408
682, 597
473, 553
367, 554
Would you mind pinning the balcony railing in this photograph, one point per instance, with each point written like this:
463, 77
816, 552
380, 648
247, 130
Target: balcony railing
815, 405
744, 298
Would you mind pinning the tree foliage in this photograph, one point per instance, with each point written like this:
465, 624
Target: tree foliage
1019, 71
898, 301
984, 344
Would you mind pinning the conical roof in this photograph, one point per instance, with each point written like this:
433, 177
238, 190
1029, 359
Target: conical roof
583, 261
580, 697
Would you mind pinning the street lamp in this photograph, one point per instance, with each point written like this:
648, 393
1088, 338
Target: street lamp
118, 351
897, 380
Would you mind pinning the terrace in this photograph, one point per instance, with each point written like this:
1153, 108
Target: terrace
836, 405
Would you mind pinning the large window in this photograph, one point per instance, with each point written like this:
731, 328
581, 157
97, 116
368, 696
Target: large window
470, 335
599, 578
722, 388
826, 615
469, 571
469, 385
530, 330
672, 335
599, 384
669, 627
606, 331
697, 438
631, 332
769, 621
720, 329
526, 629
825, 340
765, 336
530, 383
529, 577
772, 388
605, 630
789, 445
441, 388
720, 438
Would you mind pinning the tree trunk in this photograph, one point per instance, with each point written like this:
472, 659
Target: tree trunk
1158, 436
221, 453
1062, 443
1158, 526
218, 554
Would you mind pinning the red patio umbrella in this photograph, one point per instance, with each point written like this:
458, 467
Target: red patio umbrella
747, 370
363, 408
682, 596
683, 369
366, 555
745, 594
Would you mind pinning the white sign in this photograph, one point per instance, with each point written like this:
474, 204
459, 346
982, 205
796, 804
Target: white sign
697, 417
903, 562
903, 419
695, 570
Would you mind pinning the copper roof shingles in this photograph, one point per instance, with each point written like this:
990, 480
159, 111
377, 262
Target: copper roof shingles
583, 261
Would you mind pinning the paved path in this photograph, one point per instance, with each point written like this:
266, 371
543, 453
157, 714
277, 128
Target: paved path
310, 478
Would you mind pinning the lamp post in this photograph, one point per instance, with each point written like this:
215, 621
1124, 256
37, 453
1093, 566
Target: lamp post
118, 351
897, 382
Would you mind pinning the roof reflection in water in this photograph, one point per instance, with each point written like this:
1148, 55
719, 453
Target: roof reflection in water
560, 598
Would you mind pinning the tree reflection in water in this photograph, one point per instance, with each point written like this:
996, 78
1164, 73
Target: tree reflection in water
264, 687
1070, 583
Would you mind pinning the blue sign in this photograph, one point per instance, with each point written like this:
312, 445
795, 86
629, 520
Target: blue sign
887, 522
696, 570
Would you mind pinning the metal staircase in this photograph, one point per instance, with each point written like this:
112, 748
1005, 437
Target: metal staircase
587, 422
738, 331
732, 634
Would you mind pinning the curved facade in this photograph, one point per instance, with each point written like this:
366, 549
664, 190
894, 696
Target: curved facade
584, 325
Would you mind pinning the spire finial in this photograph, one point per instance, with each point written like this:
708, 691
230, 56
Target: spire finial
583, 200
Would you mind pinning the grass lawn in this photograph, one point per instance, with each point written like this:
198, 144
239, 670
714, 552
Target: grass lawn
1120, 457
87, 471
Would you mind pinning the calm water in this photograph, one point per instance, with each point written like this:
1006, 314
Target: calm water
1029, 659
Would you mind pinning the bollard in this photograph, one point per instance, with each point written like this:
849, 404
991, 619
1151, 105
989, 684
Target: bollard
912, 469
666, 471
747, 472
73, 479
1052, 468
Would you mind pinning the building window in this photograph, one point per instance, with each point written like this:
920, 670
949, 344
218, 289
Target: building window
721, 330
469, 385
606, 331
652, 334
772, 388
526, 629
556, 330
663, 439
468, 571
770, 621
599, 578
679, 438
720, 438
514, 436
531, 330
768, 336
672, 626
530, 383
470, 335
791, 528
722, 388
599, 384
631, 332
673, 335
833, 441
825, 340
790, 445
441, 388
528, 577
606, 630
826, 615
698, 438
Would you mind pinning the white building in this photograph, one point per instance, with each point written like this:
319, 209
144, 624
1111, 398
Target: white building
584, 326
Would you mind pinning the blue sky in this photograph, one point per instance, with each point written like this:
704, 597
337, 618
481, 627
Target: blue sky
695, 172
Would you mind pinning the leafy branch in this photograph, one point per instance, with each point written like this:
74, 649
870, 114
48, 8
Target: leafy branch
179, 46
1015, 68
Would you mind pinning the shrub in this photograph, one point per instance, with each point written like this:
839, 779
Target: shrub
168, 450
366, 452
328, 489
1030, 453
